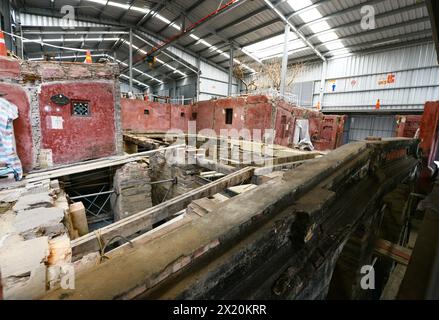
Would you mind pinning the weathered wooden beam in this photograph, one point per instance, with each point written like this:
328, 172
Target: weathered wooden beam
144, 220
215, 166
393, 251
250, 235
92, 165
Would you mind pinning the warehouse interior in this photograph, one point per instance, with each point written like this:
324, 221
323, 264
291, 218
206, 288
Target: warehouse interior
219, 149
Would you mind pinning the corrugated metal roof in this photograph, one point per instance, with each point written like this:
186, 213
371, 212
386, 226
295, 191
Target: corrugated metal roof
248, 22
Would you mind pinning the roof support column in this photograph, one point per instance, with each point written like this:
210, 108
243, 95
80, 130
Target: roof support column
198, 77
323, 83
283, 76
230, 82
131, 60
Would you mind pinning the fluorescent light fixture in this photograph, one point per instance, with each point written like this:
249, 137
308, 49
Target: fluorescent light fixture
136, 81
134, 69
70, 40
162, 18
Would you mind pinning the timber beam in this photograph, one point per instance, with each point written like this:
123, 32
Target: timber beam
281, 239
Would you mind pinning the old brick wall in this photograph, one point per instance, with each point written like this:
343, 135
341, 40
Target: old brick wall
144, 116
185, 175
30, 85
253, 113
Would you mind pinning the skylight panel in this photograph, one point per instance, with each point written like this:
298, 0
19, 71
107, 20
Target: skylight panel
340, 52
319, 26
273, 46
329, 36
277, 40
310, 15
299, 4
334, 45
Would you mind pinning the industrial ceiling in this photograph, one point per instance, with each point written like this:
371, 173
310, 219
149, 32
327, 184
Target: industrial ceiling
320, 29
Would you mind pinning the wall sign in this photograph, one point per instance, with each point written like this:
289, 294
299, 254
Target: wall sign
332, 85
388, 80
56, 122
60, 99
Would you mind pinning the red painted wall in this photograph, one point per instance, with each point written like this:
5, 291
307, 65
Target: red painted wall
252, 112
81, 138
429, 131
22, 126
406, 126
161, 117
9, 68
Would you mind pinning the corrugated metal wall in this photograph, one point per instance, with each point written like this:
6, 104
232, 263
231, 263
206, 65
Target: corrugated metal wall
360, 127
125, 87
355, 83
214, 82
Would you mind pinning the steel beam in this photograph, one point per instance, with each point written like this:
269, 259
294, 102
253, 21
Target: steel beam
230, 81
283, 78
294, 29
130, 63
111, 22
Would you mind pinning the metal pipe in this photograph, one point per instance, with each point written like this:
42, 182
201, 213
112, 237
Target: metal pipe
174, 180
131, 60
283, 78
92, 195
230, 82
156, 50
299, 34
102, 207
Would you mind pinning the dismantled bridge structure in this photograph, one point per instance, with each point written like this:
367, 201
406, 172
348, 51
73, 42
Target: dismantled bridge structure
282, 239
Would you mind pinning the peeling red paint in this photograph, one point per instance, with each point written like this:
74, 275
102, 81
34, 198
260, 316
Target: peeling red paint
406, 126
30, 85
429, 131
143, 116
81, 138
252, 112
9, 68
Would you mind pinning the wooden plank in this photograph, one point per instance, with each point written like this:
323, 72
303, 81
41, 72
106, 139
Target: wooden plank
391, 288
215, 166
145, 219
393, 251
92, 165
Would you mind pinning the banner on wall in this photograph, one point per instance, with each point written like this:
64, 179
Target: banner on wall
389, 79
332, 86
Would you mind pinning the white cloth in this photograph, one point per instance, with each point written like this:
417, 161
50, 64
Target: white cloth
8, 153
